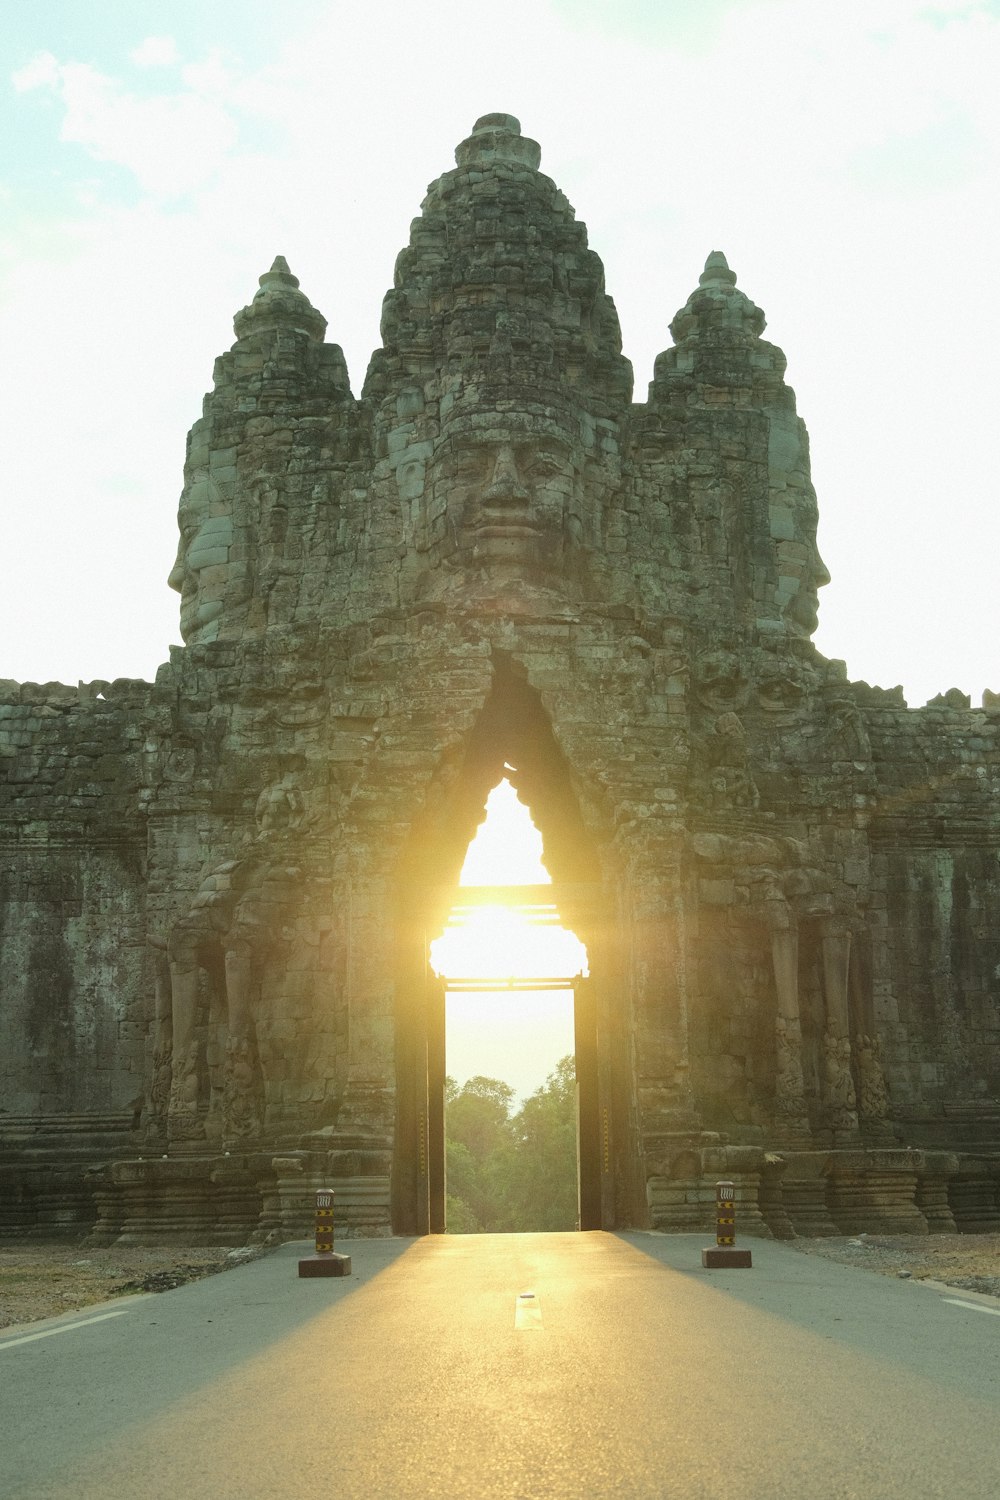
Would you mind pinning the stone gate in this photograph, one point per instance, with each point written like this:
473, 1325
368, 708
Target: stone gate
218, 888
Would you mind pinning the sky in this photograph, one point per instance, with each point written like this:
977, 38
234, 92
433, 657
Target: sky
518, 1037
156, 157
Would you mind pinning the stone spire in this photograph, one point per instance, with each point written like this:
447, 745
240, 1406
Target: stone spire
280, 305
717, 272
499, 287
717, 341
717, 305
498, 139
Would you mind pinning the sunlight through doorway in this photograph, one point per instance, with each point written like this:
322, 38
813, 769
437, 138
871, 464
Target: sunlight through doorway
507, 961
509, 968
507, 930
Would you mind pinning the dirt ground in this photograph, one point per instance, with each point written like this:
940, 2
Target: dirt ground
40, 1280
969, 1261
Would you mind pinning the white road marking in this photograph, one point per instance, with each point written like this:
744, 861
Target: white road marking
975, 1306
527, 1313
48, 1333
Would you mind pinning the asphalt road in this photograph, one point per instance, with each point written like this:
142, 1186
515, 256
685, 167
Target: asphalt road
630, 1371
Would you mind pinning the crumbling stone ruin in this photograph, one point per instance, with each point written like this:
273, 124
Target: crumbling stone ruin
219, 888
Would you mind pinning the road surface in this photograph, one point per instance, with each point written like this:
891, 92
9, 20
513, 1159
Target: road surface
534, 1366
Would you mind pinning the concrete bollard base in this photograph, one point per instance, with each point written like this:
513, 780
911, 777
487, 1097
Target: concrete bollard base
330, 1264
725, 1256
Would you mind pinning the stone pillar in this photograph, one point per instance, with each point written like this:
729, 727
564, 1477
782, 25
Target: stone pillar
674, 1193
836, 963
164, 1202
436, 1169
973, 1195
659, 989
588, 1104
242, 1094
599, 1000
410, 1205
772, 1203
108, 1224
184, 1122
368, 1104
874, 1192
839, 1098
935, 1169
792, 1117
236, 1201
295, 1195
804, 1193
873, 1091
158, 1099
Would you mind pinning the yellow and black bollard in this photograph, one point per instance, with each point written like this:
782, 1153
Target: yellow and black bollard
725, 1252
324, 1221
326, 1261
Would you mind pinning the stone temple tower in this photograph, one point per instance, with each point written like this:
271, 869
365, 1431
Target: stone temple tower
220, 887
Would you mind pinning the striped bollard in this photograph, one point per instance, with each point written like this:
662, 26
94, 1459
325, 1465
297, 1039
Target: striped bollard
326, 1261
725, 1252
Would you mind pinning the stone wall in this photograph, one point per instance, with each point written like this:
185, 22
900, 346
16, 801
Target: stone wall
72, 897
936, 950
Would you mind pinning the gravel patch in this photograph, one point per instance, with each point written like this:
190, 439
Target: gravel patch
968, 1261
42, 1279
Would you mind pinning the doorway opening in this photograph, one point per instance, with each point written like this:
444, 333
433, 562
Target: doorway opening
513, 730
509, 970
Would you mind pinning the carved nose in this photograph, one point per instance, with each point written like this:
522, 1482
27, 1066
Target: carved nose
506, 483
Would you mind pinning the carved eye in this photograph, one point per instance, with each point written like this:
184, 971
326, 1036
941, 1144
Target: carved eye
541, 465
779, 692
468, 470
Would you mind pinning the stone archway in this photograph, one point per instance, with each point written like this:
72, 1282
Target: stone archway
513, 731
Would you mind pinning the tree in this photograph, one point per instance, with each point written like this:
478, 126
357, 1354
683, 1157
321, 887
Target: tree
542, 1192
479, 1142
478, 1114
512, 1172
462, 1190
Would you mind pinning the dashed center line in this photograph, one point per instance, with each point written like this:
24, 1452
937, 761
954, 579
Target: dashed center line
49, 1333
527, 1313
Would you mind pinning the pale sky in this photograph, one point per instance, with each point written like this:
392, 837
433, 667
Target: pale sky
517, 1036
157, 156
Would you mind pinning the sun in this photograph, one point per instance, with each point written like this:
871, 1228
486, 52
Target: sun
489, 943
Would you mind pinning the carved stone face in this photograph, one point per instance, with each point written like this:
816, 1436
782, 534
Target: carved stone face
803, 567
201, 569
507, 493
801, 571
780, 687
720, 680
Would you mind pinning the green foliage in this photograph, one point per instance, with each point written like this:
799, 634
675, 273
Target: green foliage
512, 1171
461, 1219
543, 1187
479, 1115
